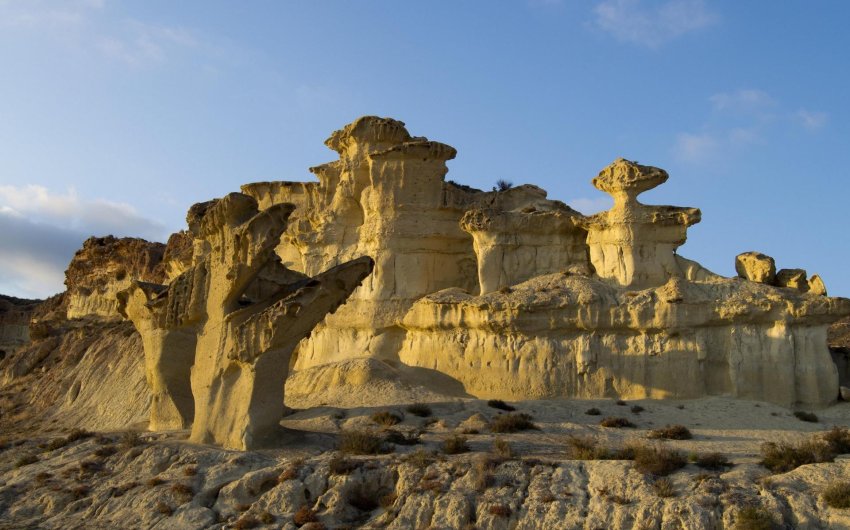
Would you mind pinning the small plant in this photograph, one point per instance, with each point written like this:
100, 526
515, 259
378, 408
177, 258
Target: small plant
502, 449
124, 488
454, 445
663, 487
398, 438
131, 439
154, 482
616, 422
267, 518
341, 466
512, 423
783, 457
419, 409
105, 451
290, 473
713, 461
837, 495
671, 432
386, 418
838, 440
500, 510
593, 411
585, 448
420, 458
56, 443
26, 460
164, 509
78, 434
501, 405
658, 461
810, 417
621, 403
637, 409
360, 443
304, 515
80, 491
754, 518
246, 521
190, 471
183, 492
503, 185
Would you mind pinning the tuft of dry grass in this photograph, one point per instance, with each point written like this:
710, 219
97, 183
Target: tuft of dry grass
501, 405
290, 473
154, 482
454, 445
26, 460
657, 460
506, 423
304, 515
267, 518
713, 461
339, 465
671, 432
105, 451
386, 418
782, 457
131, 439
78, 434
183, 492
754, 518
663, 487
360, 443
190, 471
837, 495
502, 449
419, 409
395, 437
616, 422
838, 440
420, 458
164, 509
246, 521
500, 510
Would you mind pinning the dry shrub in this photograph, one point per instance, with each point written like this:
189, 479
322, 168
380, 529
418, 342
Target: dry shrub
501, 405
395, 437
246, 521
512, 423
386, 418
131, 439
671, 432
838, 440
593, 411
754, 518
713, 461
290, 473
502, 449
616, 422
663, 487
190, 471
154, 482
481, 474
78, 434
339, 465
420, 458
360, 443
304, 515
80, 491
837, 495
105, 451
500, 510
621, 403
267, 518
658, 461
637, 409
164, 508
183, 492
810, 417
26, 460
782, 457
419, 409
454, 445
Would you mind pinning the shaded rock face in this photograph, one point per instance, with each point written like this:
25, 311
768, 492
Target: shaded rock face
105, 266
15, 316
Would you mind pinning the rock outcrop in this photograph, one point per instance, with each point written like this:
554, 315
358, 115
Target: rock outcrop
756, 267
15, 316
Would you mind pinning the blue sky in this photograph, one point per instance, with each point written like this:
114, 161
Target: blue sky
116, 116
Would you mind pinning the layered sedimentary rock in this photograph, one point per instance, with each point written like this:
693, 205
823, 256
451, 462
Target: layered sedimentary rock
105, 266
15, 316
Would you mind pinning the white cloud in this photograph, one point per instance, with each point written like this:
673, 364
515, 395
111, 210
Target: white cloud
811, 120
143, 44
638, 22
69, 211
589, 206
695, 147
744, 100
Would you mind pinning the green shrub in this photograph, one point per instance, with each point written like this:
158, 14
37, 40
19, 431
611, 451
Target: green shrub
501, 405
512, 423
671, 432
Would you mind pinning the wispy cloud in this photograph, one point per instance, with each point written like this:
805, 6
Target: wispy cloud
652, 24
811, 120
744, 100
695, 147
145, 44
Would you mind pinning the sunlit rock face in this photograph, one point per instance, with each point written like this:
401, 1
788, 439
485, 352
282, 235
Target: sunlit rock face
513, 295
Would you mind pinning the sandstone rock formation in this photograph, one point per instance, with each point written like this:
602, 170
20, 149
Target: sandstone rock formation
756, 267
14, 323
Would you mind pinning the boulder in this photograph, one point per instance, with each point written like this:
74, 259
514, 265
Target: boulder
756, 267
792, 279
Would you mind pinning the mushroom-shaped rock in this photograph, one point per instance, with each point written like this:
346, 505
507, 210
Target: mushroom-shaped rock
756, 267
632, 243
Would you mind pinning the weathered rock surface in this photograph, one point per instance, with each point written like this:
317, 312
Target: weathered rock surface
15, 314
104, 267
756, 267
